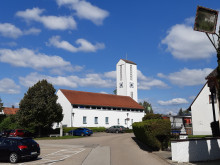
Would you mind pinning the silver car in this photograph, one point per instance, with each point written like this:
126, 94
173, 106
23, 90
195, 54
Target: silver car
116, 129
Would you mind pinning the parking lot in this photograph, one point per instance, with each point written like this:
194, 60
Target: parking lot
98, 149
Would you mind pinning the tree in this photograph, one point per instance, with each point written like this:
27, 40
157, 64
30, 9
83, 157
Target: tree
39, 108
9, 122
150, 116
180, 113
184, 113
147, 107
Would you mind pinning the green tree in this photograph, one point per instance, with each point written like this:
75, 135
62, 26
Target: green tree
147, 107
180, 113
39, 108
150, 116
9, 122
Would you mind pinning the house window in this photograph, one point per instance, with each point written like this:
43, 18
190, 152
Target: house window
118, 121
84, 120
125, 121
132, 121
96, 120
210, 99
120, 72
106, 120
131, 76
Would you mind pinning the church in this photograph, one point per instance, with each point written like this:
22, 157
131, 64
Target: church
87, 109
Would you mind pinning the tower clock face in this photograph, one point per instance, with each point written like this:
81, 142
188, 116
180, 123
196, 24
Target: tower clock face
121, 85
131, 85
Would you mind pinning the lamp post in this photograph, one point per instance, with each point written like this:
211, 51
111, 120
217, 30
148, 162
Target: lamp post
206, 21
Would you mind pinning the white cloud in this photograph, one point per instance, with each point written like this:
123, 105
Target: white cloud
146, 85
8, 86
28, 58
33, 31
111, 74
176, 101
84, 45
89, 80
50, 22
185, 43
11, 31
189, 77
85, 10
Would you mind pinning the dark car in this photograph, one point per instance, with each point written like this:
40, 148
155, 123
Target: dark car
20, 133
116, 129
81, 132
6, 133
18, 148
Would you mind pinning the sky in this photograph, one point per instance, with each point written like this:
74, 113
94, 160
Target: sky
76, 44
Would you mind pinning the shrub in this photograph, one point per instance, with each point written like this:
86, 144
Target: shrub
155, 133
150, 116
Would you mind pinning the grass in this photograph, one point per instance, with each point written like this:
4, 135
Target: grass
58, 138
198, 136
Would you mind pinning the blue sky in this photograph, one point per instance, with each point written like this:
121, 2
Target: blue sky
75, 44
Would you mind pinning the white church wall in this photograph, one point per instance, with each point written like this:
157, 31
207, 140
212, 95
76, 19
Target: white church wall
115, 117
202, 114
67, 109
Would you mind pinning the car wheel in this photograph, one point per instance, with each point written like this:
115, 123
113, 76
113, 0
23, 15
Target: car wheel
82, 134
13, 158
116, 131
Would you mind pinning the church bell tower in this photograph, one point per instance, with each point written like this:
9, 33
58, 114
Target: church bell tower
127, 79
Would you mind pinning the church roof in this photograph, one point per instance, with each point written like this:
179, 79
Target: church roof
130, 62
100, 99
213, 74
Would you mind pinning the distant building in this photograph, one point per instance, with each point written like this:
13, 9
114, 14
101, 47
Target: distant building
9, 111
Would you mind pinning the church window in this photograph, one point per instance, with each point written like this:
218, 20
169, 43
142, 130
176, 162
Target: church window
96, 120
131, 76
84, 120
106, 120
118, 121
132, 95
120, 72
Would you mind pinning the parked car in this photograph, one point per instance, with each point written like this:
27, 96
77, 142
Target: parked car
6, 133
20, 133
81, 132
116, 129
14, 149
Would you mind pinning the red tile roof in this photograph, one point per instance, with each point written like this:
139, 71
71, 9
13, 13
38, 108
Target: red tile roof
99, 99
10, 111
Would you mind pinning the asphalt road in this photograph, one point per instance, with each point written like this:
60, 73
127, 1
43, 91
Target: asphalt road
99, 149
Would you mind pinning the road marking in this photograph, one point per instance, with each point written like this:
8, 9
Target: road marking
54, 157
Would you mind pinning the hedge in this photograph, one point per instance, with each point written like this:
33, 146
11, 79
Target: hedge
155, 133
94, 129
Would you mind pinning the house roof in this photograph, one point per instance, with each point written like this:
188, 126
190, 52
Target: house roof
10, 111
100, 99
130, 62
213, 74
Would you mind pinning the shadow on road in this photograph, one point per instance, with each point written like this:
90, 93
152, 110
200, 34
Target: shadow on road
141, 145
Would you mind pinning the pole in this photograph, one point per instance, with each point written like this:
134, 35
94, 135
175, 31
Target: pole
213, 103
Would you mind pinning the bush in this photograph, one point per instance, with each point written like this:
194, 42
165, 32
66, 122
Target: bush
155, 133
150, 116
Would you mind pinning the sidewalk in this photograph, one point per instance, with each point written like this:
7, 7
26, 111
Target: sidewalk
166, 156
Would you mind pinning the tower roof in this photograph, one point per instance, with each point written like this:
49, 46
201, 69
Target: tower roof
130, 62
